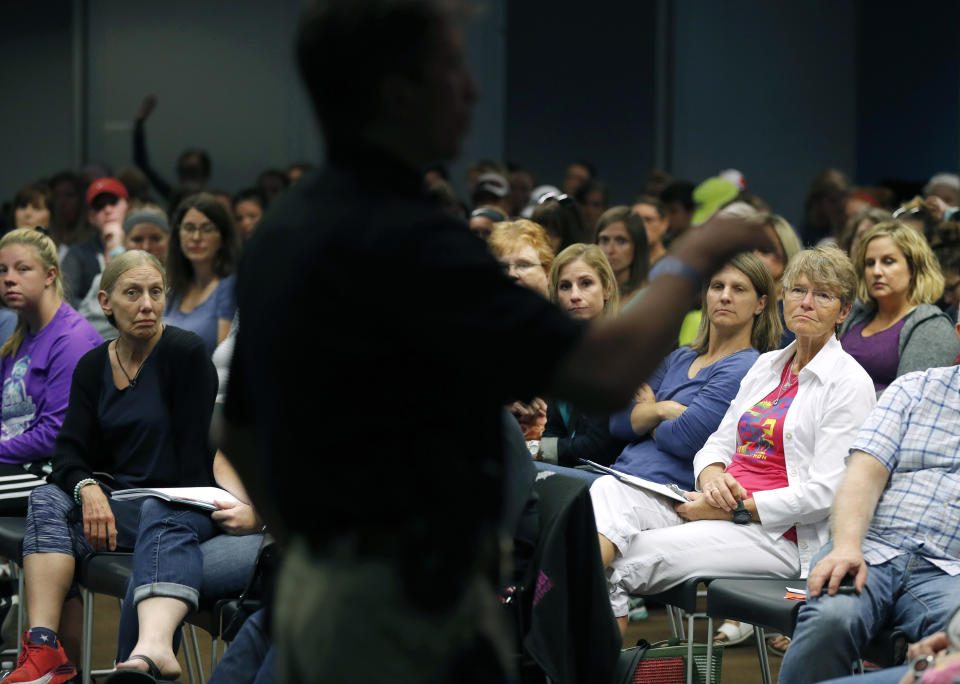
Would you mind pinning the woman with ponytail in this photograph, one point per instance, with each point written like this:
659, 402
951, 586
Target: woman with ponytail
36, 361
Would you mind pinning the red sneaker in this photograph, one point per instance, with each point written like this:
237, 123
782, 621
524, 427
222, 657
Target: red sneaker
41, 665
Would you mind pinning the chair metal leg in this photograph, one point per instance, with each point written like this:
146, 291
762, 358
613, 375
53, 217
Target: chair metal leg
86, 635
709, 672
690, 649
192, 653
214, 652
188, 656
673, 625
761, 639
21, 610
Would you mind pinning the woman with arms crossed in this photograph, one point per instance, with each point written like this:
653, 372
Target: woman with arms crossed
684, 400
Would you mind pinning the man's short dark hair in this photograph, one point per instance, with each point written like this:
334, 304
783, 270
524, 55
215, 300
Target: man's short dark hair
345, 48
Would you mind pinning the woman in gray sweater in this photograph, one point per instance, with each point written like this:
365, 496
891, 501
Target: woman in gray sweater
894, 328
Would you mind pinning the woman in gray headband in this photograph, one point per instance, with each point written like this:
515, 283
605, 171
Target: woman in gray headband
146, 227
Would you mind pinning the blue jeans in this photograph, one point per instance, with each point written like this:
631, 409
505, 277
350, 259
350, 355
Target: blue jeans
226, 564
892, 675
907, 592
249, 660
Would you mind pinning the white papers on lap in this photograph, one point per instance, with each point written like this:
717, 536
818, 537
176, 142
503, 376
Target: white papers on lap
199, 497
671, 491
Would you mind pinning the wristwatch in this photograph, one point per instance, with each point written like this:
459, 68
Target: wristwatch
921, 664
741, 516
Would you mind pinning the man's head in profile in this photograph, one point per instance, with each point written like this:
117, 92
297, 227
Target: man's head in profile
389, 73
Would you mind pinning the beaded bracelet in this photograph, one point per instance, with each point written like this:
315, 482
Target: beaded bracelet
80, 485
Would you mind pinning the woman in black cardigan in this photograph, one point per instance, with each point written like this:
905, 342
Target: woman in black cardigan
140, 409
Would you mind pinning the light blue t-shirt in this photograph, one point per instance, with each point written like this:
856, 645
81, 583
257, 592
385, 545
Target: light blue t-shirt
221, 304
8, 321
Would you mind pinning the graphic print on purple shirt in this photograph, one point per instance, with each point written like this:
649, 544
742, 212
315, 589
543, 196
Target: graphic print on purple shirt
36, 385
18, 407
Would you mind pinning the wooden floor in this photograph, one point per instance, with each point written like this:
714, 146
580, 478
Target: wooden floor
740, 663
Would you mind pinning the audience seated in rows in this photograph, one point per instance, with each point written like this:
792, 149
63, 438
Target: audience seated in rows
139, 411
776, 458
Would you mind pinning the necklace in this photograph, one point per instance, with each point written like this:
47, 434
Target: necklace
785, 382
132, 381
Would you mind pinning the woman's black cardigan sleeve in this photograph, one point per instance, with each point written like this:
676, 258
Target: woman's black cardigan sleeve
189, 384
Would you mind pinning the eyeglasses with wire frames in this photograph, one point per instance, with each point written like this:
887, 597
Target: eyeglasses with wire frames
820, 298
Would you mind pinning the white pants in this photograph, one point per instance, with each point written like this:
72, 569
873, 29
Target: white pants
658, 550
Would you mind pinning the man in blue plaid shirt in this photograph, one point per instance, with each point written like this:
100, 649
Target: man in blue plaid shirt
896, 531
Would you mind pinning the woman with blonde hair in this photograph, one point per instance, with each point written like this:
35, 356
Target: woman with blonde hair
895, 327
37, 361
582, 284
583, 272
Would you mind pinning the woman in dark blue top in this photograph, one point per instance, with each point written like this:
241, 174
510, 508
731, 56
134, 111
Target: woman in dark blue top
685, 399
139, 409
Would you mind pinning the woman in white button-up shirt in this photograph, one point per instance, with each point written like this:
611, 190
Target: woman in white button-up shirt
778, 457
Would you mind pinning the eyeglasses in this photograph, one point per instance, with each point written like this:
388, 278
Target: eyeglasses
202, 229
521, 267
797, 294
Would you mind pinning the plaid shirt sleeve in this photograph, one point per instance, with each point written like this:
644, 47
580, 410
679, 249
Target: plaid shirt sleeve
883, 432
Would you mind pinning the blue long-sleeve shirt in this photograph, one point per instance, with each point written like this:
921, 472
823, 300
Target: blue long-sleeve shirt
669, 457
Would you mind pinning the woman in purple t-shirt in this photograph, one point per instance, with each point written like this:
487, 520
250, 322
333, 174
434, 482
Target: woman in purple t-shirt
894, 327
36, 361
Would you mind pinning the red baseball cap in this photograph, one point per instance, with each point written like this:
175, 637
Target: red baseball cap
107, 184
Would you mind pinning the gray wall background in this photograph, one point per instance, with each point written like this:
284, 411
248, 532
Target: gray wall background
778, 90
